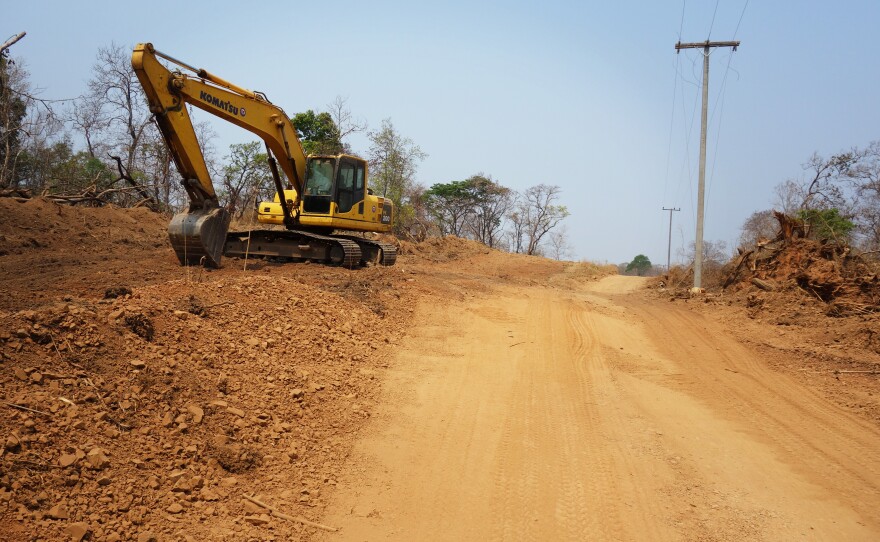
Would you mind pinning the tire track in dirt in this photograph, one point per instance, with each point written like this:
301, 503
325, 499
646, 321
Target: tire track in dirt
522, 451
815, 438
544, 414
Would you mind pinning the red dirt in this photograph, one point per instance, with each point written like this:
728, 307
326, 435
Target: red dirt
143, 400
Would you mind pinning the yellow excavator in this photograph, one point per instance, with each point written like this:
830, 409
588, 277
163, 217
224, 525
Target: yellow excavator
321, 195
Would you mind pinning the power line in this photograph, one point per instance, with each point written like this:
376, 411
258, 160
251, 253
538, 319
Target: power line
674, 96
712, 25
720, 100
740, 19
722, 94
681, 26
686, 163
671, 126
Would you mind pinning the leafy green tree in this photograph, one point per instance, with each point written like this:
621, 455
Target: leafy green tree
827, 224
54, 168
246, 176
491, 203
472, 208
450, 204
318, 133
641, 264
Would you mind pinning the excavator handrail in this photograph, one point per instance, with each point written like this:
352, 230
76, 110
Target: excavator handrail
205, 74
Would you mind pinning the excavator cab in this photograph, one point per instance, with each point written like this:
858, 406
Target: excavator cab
335, 196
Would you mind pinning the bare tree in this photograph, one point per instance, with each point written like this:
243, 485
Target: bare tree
87, 117
789, 197
12, 111
866, 178
29, 127
516, 234
539, 214
345, 122
760, 226
11, 41
393, 162
13, 108
560, 247
715, 254
822, 188
116, 96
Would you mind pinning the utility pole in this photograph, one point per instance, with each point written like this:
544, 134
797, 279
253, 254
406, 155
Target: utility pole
669, 246
698, 243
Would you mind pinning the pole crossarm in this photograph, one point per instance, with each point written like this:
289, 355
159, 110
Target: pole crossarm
706, 44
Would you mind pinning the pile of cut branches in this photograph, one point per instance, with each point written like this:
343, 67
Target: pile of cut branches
91, 196
831, 272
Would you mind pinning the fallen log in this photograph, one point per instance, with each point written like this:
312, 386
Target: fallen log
764, 285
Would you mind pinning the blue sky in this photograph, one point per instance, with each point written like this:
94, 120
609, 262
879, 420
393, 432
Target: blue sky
589, 96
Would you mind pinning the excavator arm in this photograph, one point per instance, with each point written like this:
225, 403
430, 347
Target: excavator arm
199, 233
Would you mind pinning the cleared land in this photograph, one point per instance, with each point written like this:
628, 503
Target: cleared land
463, 394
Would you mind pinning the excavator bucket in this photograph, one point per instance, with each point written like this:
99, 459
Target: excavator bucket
198, 236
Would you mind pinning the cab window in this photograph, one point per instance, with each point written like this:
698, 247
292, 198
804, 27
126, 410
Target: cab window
359, 179
319, 178
345, 187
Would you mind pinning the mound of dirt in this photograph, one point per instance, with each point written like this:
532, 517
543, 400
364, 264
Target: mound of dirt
156, 412
49, 250
442, 249
142, 400
42, 224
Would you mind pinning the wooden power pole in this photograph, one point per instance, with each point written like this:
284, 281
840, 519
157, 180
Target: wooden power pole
698, 243
669, 246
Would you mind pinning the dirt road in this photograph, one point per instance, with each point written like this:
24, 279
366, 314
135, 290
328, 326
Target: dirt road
533, 413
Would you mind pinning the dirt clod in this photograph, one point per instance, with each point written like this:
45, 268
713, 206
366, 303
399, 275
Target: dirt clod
140, 325
117, 291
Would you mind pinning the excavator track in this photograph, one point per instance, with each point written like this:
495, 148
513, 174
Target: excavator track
293, 244
373, 252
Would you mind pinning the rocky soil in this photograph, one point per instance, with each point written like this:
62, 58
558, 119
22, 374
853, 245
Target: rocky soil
140, 400
143, 401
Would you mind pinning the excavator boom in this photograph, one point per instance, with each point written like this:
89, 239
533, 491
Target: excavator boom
199, 233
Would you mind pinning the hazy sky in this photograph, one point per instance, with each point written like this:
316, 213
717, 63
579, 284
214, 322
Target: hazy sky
586, 95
